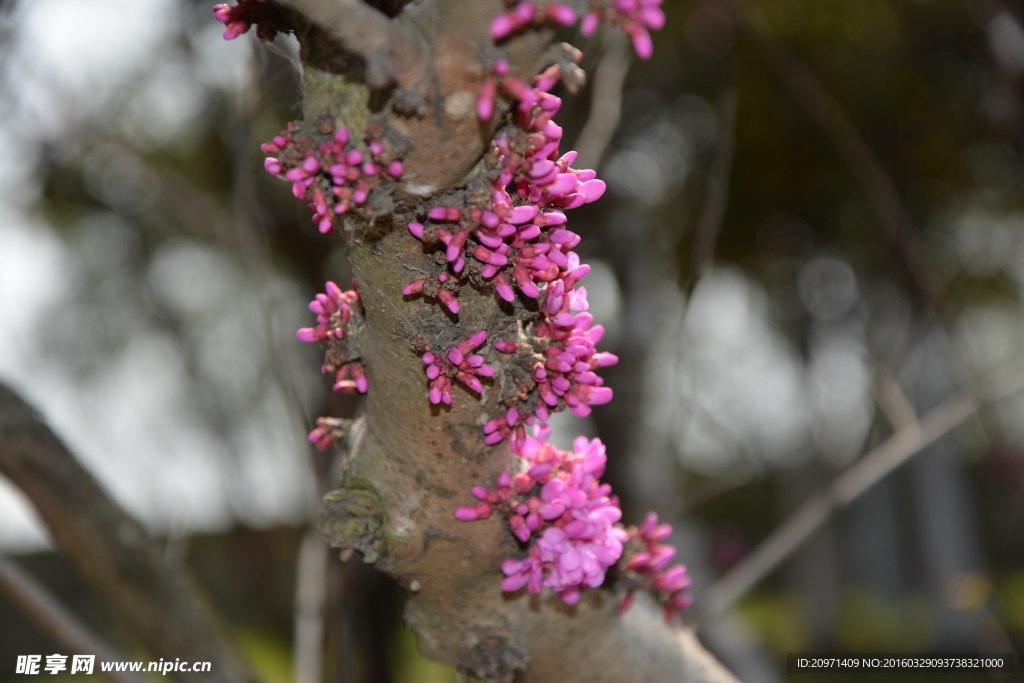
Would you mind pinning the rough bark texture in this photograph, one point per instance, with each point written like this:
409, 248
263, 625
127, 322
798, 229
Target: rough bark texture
411, 464
164, 608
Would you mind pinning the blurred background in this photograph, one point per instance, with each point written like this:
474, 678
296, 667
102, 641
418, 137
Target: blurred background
814, 232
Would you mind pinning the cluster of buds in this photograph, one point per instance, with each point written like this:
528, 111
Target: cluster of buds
329, 430
460, 363
333, 176
338, 313
635, 17
647, 567
518, 238
560, 501
234, 19
527, 13
565, 372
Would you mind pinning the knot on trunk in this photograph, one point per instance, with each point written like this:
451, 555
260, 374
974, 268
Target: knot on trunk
353, 518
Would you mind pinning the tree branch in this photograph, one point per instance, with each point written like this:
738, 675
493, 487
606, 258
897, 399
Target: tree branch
165, 608
58, 621
717, 199
606, 101
847, 487
893, 216
392, 52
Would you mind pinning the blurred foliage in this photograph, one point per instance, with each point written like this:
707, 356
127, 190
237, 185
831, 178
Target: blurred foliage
870, 623
779, 620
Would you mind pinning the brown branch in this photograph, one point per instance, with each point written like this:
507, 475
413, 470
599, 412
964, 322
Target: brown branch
54, 618
847, 487
164, 608
877, 184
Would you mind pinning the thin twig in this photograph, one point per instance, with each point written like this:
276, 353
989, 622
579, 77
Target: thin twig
894, 404
710, 223
54, 618
876, 182
605, 102
310, 601
847, 487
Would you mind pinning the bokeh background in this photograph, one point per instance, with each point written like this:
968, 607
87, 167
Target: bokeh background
779, 300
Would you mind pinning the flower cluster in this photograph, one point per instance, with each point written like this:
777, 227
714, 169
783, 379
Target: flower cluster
634, 16
564, 373
557, 506
514, 238
518, 237
648, 567
459, 362
560, 500
333, 176
337, 314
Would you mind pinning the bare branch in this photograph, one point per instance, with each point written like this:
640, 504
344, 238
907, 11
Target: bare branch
872, 468
717, 200
892, 214
310, 603
58, 621
606, 100
164, 607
